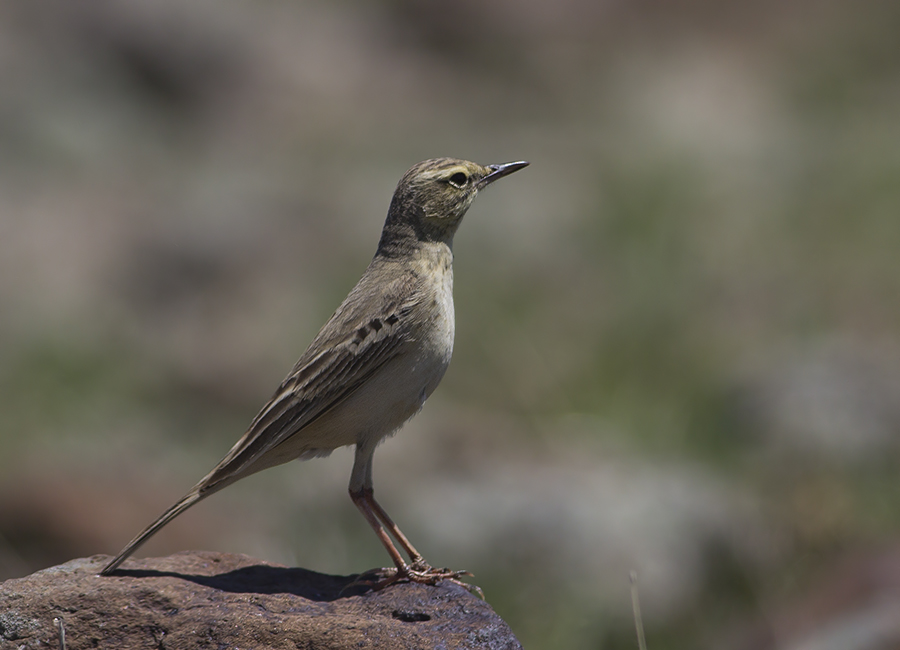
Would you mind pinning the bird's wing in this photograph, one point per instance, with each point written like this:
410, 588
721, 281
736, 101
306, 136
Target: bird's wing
347, 351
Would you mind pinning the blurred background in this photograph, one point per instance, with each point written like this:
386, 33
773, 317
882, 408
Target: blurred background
678, 331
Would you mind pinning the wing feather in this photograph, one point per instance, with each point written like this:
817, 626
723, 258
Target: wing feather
346, 353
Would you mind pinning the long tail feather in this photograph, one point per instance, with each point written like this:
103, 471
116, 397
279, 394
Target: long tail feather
186, 502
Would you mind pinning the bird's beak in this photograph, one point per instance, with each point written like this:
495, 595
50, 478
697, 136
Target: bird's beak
499, 171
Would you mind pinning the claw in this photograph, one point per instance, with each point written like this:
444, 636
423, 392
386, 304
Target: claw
419, 572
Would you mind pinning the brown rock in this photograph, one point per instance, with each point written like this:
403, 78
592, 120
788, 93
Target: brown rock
212, 600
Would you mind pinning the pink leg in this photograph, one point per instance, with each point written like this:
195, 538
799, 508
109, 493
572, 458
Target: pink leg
414, 556
362, 500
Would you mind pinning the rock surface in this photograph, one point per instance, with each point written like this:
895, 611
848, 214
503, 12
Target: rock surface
212, 600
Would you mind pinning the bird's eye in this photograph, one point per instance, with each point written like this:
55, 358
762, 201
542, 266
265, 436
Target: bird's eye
459, 179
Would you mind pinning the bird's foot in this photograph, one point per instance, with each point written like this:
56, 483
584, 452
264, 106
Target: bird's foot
419, 571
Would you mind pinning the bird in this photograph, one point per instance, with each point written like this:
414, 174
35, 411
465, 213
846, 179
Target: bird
372, 365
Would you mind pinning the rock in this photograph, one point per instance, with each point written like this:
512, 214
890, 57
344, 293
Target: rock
212, 600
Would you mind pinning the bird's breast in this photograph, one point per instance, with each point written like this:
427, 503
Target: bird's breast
399, 388
434, 324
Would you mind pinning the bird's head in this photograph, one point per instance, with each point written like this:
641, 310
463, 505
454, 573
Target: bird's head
434, 195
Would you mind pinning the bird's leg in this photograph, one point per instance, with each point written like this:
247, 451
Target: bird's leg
361, 494
419, 570
415, 557
362, 501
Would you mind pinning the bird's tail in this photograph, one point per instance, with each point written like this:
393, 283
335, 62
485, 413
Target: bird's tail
186, 502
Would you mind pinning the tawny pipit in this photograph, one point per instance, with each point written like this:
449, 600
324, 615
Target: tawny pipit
375, 361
